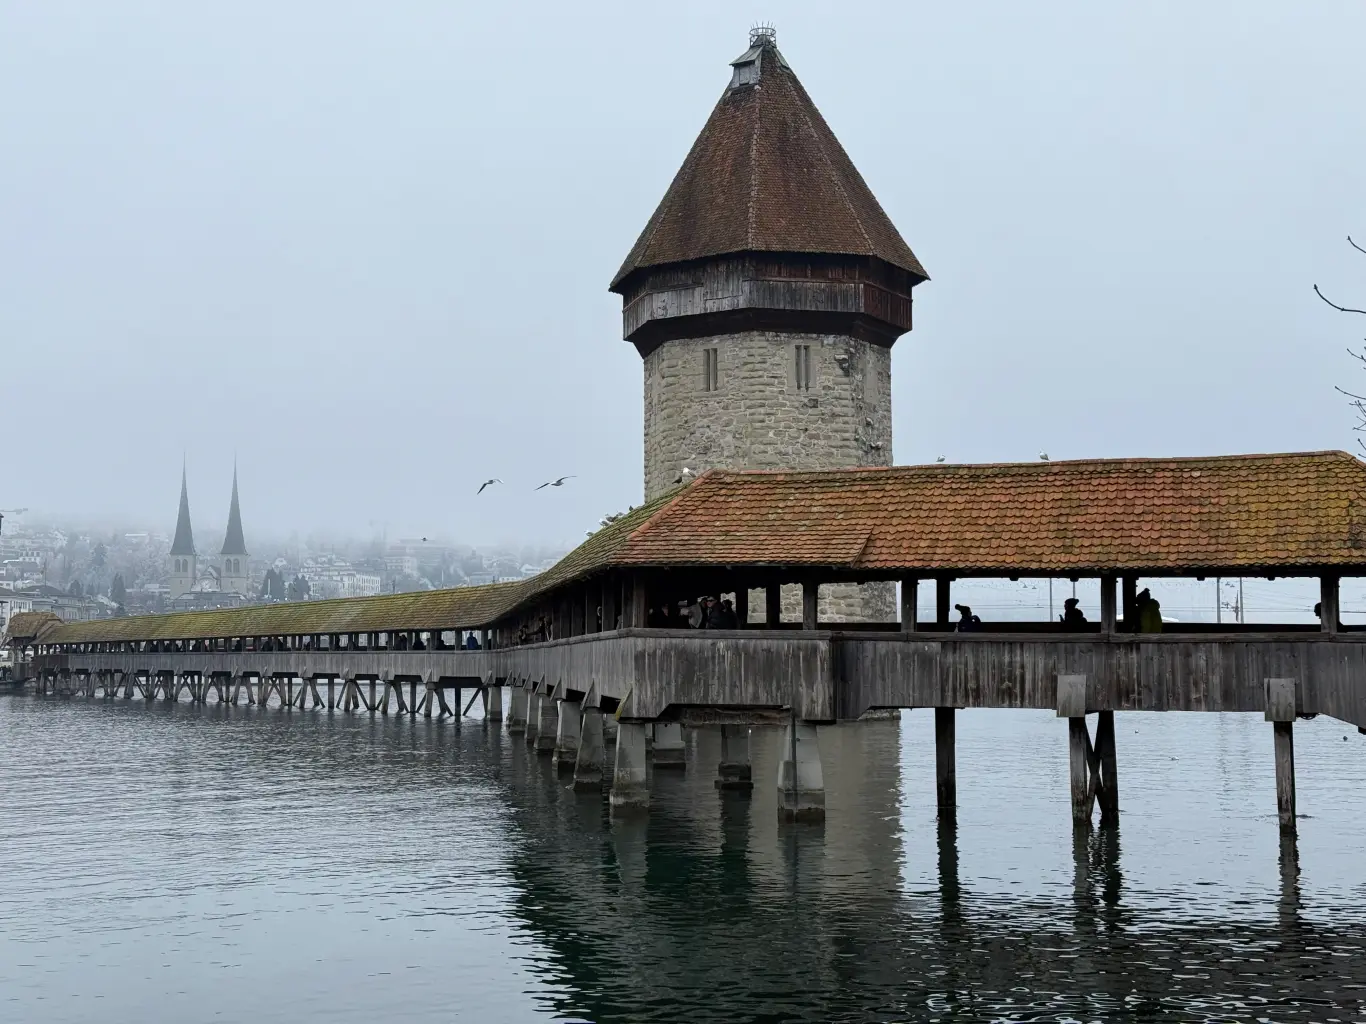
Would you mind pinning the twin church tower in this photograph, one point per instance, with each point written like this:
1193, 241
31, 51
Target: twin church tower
230, 572
765, 293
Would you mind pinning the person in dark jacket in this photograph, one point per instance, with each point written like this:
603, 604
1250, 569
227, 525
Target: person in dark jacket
967, 622
1072, 616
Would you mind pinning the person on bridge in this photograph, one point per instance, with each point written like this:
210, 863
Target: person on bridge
1072, 616
726, 617
967, 622
1149, 612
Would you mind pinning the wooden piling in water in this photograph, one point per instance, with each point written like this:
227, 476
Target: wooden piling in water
945, 761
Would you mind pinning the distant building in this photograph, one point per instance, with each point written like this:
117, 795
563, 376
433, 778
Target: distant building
234, 573
184, 562
231, 573
400, 565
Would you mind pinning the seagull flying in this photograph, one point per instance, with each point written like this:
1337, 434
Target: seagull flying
556, 483
486, 483
1043, 456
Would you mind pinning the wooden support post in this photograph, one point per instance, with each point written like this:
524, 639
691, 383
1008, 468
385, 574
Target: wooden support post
773, 605
1285, 774
741, 607
373, 705
1329, 613
446, 711
945, 762
1108, 787
331, 693
1280, 711
1079, 761
608, 598
910, 598
810, 604
412, 698
942, 601
639, 602
1107, 604
473, 697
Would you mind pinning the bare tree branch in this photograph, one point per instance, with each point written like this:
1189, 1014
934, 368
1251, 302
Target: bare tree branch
1354, 245
1340, 309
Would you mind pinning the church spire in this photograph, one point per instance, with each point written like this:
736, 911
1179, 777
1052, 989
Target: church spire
183, 544
233, 541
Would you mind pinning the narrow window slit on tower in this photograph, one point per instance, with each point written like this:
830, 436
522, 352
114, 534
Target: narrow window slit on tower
803, 367
711, 378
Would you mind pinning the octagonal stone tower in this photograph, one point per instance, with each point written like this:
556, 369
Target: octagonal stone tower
765, 293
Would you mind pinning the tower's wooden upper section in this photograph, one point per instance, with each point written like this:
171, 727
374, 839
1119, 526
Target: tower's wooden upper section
767, 224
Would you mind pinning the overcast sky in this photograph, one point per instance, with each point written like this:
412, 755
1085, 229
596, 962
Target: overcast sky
366, 246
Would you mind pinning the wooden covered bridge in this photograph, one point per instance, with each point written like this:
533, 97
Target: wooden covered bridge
584, 639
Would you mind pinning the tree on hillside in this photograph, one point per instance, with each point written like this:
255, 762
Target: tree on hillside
75, 589
298, 589
1357, 402
273, 586
118, 590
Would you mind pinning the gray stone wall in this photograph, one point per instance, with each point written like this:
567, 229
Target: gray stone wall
759, 418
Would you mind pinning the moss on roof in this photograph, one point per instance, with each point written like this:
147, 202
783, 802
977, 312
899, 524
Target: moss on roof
456, 608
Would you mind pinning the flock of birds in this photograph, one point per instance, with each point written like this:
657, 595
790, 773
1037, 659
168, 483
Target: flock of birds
1043, 457
557, 482
686, 475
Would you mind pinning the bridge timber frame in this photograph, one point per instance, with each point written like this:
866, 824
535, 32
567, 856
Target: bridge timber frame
746, 677
589, 640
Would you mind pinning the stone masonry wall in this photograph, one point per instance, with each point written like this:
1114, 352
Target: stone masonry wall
758, 418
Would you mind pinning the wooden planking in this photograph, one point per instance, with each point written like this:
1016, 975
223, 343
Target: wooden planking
661, 669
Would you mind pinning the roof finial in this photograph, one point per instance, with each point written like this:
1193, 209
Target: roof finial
763, 34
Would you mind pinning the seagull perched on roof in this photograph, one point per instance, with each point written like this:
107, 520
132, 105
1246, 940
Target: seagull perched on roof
556, 483
684, 476
940, 459
1043, 456
487, 483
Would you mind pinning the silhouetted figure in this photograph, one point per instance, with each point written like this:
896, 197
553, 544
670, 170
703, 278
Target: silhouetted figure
967, 622
1149, 612
1072, 616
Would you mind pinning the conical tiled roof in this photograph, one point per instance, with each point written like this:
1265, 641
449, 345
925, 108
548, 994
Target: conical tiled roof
767, 175
183, 544
233, 541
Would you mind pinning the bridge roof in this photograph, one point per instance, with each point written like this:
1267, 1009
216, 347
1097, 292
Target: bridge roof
1285, 515
1145, 516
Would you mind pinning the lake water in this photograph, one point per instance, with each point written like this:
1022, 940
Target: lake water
188, 863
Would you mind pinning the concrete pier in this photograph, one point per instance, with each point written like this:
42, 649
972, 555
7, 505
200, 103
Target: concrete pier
569, 717
669, 750
630, 779
517, 710
547, 723
493, 703
533, 716
592, 750
734, 770
801, 783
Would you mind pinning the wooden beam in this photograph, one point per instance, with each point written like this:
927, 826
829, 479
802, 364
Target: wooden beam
945, 760
1329, 613
1105, 752
810, 604
1285, 774
910, 603
773, 605
1107, 604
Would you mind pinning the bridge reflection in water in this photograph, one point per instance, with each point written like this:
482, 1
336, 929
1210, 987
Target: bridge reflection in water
708, 912
397, 850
